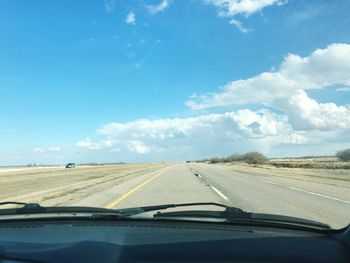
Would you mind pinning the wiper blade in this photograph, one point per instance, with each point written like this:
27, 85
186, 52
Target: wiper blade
34, 208
145, 209
231, 214
13, 203
28, 208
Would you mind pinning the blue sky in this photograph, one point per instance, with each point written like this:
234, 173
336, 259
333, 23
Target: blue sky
157, 80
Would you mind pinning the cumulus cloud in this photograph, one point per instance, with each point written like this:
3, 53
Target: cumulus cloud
285, 89
154, 9
138, 147
245, 127
88, 144
130, 18
305, 113
231, 8
109, 5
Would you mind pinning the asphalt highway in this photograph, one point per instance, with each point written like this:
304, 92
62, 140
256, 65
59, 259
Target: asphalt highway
325, 201
324, 198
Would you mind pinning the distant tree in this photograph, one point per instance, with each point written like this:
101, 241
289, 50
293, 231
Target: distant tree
254, 158
344, 155
250, 158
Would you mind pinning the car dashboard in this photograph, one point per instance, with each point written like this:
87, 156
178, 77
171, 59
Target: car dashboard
163, 241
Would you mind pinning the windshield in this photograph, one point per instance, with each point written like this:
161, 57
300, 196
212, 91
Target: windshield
119, 104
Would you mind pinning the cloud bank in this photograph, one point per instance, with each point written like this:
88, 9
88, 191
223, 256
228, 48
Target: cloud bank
285, 89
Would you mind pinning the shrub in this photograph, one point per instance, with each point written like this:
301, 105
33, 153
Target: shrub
344, 155
235, 158
214, 160
254, 158
250, 158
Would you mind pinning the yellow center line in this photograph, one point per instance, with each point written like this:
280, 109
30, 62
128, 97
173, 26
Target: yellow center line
133, 190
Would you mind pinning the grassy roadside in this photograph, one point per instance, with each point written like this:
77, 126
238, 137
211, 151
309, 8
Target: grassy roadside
256, 159
309, 163
267, 169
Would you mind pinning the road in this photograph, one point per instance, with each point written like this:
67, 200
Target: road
322, 199
312, 198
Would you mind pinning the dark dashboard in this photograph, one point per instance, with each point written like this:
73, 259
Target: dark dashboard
165, 241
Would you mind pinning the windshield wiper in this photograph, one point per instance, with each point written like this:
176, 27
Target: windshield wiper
95, 212
34, 208
234, 215
229, 214
145, 209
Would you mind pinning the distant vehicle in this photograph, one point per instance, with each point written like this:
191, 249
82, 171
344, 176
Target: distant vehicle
70, 165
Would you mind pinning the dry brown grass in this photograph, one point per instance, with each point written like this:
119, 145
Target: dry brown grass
309, 163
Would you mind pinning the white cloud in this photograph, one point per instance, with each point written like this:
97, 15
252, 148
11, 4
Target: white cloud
38, 150
130, 18
239, 26
284, 89
47, 150
230, 8
88, 144
154, 9
109, 5
305, 113
205, 135
54, 149
232, 128
211, 134
138, 147
343, 89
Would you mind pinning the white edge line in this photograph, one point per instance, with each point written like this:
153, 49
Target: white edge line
311, 193
219, 193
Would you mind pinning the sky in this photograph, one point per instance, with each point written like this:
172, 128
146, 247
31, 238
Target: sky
166, 80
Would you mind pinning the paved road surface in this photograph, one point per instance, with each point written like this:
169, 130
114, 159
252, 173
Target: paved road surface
313, 199
317, 198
